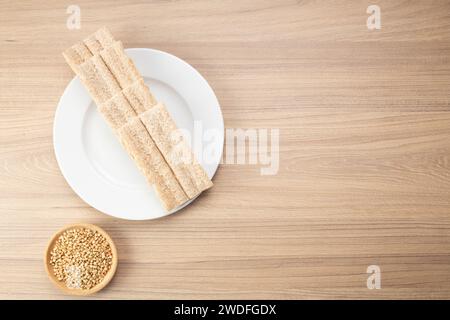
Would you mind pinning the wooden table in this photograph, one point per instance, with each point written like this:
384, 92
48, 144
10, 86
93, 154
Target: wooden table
364, 177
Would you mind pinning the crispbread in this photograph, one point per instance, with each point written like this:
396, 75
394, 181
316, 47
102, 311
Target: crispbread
84, 50
76, 55
120, 64
175, 150
139, 96
117, 111
97, 78
146, 155
99, 40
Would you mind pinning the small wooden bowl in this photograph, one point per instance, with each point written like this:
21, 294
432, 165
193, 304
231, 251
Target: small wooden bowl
60, 284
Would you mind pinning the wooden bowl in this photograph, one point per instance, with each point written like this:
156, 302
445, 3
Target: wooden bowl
60, 284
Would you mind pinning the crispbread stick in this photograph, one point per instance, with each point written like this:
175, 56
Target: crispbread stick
146, 155
175, 150
84, 50
76, 55
98, 80
117, 111
139, 97
128, 103
99, 40
120, 64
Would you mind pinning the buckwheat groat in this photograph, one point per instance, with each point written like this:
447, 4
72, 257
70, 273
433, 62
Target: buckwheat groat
81, 258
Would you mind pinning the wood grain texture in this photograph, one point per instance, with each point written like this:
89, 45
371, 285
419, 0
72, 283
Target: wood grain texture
364, 120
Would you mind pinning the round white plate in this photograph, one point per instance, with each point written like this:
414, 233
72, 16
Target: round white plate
97, 167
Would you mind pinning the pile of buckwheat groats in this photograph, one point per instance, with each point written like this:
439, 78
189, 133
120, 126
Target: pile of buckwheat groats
81, 258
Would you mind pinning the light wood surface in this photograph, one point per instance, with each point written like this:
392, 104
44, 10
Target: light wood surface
364, 120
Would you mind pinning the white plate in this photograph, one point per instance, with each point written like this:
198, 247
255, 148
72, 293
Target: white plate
94, 163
